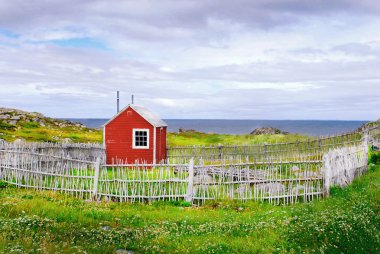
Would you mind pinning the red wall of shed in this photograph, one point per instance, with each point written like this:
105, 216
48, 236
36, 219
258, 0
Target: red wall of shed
160, 144
119, 138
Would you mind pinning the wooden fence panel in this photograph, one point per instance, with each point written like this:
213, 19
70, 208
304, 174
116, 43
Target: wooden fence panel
277, 173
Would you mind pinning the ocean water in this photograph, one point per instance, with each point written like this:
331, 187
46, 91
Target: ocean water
308, 127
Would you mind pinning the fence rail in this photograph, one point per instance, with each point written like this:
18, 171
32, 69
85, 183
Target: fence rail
312, 147
303, 173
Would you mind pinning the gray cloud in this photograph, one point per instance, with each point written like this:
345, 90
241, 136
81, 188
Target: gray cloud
168, 19
193, 59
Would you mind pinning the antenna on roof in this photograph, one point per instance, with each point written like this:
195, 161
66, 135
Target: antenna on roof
132, 99
117, 102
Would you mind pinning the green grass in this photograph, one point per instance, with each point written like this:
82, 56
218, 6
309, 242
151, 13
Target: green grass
32, 131
206, 139
46, 222
6, 126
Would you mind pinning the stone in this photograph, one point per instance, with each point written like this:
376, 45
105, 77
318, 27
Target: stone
272, 188
183, 130
122, 251
306, 174
300, 189
19, 141
267, 130
295, 168
243, 189
106, 228
67, 140
202, 178
15, 117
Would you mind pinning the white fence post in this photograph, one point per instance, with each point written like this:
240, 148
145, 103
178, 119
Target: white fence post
189, 194
366, 139
96, 179
327, 171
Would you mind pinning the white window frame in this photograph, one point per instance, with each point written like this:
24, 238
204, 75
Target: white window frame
134, 139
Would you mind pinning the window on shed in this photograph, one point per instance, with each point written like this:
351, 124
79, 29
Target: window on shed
140, 138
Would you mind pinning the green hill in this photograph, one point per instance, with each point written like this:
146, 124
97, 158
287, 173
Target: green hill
33, 126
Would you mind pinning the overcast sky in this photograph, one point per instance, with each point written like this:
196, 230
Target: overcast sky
221, 59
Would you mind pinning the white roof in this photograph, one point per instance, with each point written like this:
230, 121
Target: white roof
148, 115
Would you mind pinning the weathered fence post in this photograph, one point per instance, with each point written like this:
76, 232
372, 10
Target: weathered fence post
366, 138
190, 193
265, 152
220, 151
327, 172
96, 179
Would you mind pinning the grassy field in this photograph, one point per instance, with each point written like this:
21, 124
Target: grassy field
205, 139
31, 131
46, 222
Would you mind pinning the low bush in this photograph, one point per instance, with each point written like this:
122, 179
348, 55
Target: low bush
374, 157
6, 126
29, 125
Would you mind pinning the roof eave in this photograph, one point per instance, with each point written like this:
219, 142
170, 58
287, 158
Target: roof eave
130, 106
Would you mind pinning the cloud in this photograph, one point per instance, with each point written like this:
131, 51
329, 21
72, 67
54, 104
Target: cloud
193, 59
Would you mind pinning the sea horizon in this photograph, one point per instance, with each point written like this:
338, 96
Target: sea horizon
245, 126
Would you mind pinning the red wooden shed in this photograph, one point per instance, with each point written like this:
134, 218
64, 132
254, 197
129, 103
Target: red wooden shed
135, 134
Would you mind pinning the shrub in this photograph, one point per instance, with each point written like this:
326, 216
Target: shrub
3, 185
30, 125
6, 126
374, 158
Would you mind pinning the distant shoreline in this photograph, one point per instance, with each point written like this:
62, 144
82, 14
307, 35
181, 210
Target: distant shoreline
224, 126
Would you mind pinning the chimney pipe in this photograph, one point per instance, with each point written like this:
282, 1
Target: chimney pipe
117, 102
132, 99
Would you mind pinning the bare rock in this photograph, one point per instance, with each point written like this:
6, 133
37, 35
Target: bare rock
272, 188
267, 130
122, 251
16, 118
183, 130
243, 189
202, 178
19, 141
295, 169
67, 140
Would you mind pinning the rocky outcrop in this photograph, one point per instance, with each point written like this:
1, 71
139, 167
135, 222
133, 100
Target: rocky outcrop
13, 117
369, 125
183, 130
267, 130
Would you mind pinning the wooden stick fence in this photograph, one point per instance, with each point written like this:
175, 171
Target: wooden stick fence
81, 151
280, 151
279, 177
38, 171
